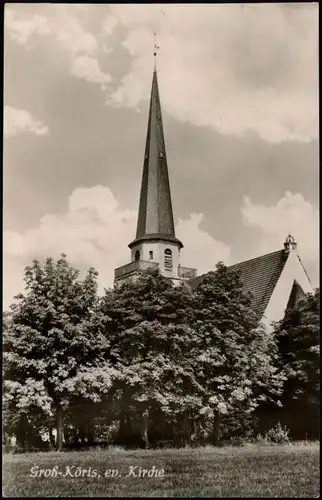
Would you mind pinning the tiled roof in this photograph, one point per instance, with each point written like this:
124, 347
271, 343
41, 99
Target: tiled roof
259, 276
296, 295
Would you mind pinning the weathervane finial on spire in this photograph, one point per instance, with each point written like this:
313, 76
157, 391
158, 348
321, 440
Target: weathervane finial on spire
156, 48
290, 243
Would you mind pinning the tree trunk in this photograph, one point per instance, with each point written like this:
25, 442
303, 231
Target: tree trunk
144, 428
51, 437
90, 435
59, 424
21, 439
194, 437
216, 428
128, 425
22, 433
122, 428
187, 429
82, 434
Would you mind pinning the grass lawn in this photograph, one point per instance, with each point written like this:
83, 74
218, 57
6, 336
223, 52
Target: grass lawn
249, 471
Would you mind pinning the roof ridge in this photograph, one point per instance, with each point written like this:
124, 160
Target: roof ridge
304, 269
256, 258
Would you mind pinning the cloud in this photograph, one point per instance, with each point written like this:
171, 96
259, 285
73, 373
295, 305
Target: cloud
237, 68
59, 21
86, 67
21, 30
96, 230
62, 23
69, 31
200, 250
20, 120
291, 214
109, 24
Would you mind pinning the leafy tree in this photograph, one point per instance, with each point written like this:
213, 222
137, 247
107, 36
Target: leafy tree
53, 347
188, 353
160, 375
176, 357
234, 356
298, 336
150, 346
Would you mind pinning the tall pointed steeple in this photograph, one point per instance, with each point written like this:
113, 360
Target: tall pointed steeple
155, 218
155, 245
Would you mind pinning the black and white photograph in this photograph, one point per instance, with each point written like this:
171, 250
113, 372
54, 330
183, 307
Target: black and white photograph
161, 301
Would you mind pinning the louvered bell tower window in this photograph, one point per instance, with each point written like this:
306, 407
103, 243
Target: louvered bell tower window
168, 259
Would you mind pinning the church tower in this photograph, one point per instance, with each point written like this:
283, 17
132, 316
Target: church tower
155, 244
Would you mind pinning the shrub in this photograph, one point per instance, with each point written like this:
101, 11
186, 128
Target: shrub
239, 425
235, 441
260, 439
278, 434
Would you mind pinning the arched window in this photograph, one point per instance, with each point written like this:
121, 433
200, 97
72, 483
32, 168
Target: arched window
137, 255
168, 259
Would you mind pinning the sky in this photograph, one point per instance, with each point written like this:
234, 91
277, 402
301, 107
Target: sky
239, 93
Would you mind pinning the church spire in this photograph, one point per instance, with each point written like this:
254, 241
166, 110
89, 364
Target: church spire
155, 219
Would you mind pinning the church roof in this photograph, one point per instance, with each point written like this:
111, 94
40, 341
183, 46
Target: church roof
259, 276
155, 209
